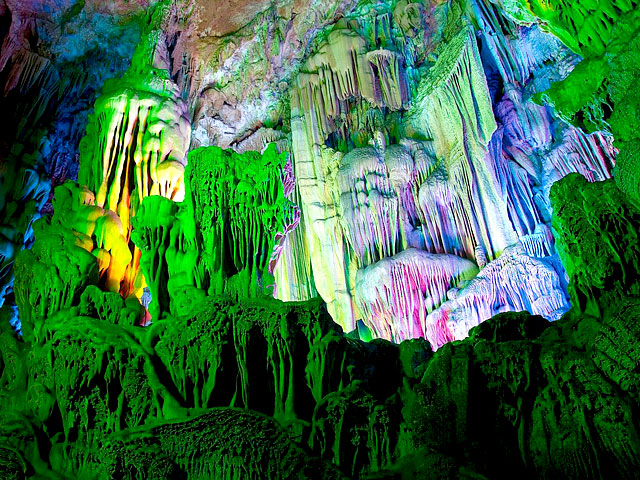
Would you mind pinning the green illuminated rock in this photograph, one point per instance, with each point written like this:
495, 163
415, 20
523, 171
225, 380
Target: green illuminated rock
223, 443
601, 93
239, 205
225, 381
221, 239
51, 276
170, 255
597, 232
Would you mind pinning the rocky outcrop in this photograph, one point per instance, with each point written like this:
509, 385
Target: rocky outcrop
554, 407
464, 168
596, 227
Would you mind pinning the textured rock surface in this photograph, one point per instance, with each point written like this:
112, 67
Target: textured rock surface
449, 179
600, 93
55, 58
410, 124
596, 227
178, 398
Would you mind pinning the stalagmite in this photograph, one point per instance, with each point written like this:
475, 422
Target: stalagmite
169, 255
100, 232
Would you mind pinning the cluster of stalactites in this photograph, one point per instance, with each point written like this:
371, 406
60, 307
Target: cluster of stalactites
242, 211
368, 205
592, 156
446, 221
529, 148
345, 69
478, 181
397, 196
517, 51
138, 137
136, 144
460, 202
397, 293
518, 280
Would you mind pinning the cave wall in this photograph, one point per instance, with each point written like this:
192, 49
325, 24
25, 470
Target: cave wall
403, 177
411, 125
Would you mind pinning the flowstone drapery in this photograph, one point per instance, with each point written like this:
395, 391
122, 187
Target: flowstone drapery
227, 235
135, 146
463, 168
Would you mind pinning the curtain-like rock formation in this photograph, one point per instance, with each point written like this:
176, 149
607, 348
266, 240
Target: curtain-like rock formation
465, 169
227, 235
517, 281
397, 293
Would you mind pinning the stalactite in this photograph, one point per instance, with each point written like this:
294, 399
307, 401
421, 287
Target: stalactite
517, 50
592, 156
239, 205
138, 135
513, 282
540, 243
468, 173
391, 86
446, 223
344, 68
397, 293
30, 70
515, 178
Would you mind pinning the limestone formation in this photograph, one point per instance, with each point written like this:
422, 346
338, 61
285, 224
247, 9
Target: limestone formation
319, 239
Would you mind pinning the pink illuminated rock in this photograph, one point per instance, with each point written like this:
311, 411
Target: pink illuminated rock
513, 282
397, 293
